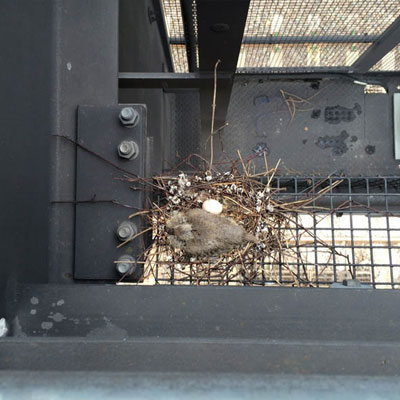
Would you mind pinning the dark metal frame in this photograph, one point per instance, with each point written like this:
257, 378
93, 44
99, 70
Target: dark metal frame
295, 39
208, 329
386, 42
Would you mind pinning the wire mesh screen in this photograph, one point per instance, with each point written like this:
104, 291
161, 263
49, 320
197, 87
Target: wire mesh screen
391, 62
311, 34
352, 232
175, 28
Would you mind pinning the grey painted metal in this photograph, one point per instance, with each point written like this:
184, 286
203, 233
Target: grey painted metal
211, 16
169, 80
71, 385
24, 175
47, 70
178, 355
143, 41
104, 198
256, 313
396, 125
388, 40
84, 34
295, 39
225, 44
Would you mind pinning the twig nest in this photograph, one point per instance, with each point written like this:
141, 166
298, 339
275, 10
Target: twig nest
212, 206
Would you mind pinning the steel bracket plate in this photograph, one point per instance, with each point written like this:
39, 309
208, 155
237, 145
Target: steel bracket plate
104, 198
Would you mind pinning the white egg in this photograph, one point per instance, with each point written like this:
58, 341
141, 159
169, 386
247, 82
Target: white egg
212, 206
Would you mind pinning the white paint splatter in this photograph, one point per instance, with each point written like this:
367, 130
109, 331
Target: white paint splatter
57, 317
46, 325
34, 300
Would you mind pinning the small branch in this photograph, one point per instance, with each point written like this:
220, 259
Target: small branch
134, 237
213, 116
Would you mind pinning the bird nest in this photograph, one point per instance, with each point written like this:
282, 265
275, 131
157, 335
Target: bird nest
257, 230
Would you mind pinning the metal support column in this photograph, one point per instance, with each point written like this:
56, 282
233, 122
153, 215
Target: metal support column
220, 31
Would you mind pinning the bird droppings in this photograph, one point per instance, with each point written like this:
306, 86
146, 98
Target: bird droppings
260, 149
57, 317
60, 302
46, 325
338, 114
33, 312
262, 99
336, 143
34, 300
315, 114
370, 149
3, 327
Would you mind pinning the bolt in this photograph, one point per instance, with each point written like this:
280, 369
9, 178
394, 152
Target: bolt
129, 117
3, 327
126, 230
128, 149
126, 265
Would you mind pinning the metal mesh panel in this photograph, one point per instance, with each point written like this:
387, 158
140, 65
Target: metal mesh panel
313, 34
363, 239
307, 56
391, 62
185, 126
179, 58
173, 19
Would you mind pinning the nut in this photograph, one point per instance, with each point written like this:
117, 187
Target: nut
129, 117
128, 267
128, 149
126, 230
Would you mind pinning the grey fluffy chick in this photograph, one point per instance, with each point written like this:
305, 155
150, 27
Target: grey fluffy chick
198, 232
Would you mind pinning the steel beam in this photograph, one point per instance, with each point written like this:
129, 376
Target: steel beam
149, 80
221, 25
295, 39
388, 40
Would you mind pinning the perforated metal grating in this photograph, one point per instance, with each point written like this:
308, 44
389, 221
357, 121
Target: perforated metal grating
175, 28
353, 232
311, 34
293, 35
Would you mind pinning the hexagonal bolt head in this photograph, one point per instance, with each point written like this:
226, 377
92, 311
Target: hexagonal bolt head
3, 327
128, 149
126, 230
129, 117
126, 265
